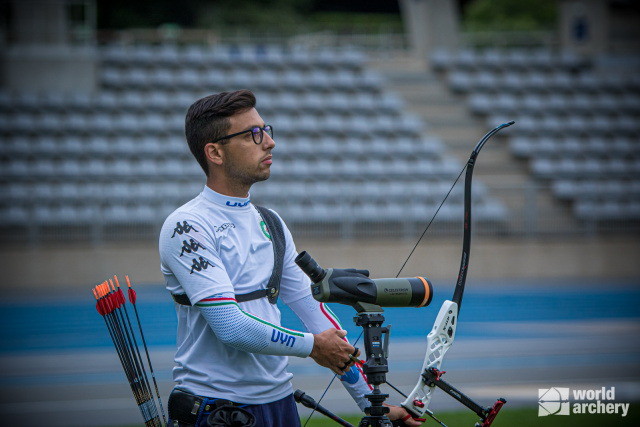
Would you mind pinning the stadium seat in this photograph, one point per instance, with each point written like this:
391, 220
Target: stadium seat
166, 55
536, 82
508, 103
293, 80
122, 148
112, 77
440, 59
467, 60
459, 81
187, 78
491, 211
160, 78
542, 59
561, 82
192, 56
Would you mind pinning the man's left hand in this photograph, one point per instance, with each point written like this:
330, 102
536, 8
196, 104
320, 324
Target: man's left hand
399, 413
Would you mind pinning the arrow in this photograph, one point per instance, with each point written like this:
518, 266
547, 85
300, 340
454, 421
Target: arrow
132, 300
110, 304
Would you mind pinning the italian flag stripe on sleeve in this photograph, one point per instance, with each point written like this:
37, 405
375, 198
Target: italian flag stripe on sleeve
329, 315
214, 302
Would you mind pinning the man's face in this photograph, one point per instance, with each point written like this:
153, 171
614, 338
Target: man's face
246, 162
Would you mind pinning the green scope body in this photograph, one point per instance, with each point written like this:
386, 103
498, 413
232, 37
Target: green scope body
350, 286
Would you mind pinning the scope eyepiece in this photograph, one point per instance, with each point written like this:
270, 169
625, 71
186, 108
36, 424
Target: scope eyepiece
310, 267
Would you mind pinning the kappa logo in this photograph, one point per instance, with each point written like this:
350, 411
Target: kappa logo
185, 227
224, 226
553, 401
199, 264
192, 246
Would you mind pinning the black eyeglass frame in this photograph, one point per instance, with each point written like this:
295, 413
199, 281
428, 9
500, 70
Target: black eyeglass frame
253, 134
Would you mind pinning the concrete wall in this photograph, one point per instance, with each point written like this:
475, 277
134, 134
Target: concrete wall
41, 55
584, 26
40, 68
430, 24
58, 267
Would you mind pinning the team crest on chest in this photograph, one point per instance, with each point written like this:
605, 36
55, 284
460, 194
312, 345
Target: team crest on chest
263, 226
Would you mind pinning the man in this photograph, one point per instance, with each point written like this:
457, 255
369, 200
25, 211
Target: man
217, 258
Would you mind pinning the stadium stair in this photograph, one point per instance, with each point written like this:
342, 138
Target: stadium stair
447, 116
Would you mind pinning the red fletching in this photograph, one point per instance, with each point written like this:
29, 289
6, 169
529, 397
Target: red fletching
112, 304
114, 297
116, 300
108, 304
99, 308
132, 296
121, 297
105, 306
98, 305
132, 293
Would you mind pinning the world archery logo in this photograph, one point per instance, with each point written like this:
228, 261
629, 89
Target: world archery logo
553, 401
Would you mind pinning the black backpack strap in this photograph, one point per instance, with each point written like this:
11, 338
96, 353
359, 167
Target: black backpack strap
276, 233
183, 299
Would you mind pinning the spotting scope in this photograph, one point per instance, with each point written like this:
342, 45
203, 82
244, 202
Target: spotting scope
353, 287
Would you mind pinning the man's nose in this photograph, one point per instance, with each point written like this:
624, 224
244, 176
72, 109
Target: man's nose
268, 142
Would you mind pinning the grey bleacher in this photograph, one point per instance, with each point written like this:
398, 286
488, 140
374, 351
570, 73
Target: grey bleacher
577, 126
347, 151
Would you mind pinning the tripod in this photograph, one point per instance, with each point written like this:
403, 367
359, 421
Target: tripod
376, 345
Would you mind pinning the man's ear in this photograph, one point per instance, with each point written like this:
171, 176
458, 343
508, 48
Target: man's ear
214, 153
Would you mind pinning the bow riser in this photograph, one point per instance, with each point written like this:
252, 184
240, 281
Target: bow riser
439, 341
441, 336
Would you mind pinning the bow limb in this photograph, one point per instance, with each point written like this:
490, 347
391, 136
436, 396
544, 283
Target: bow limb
443, 332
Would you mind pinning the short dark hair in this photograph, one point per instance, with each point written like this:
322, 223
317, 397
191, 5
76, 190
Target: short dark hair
208, 119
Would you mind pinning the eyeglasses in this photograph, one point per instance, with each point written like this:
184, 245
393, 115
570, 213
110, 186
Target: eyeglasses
256, 132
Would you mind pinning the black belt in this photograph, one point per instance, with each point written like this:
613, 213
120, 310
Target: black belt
183, 299
186, 407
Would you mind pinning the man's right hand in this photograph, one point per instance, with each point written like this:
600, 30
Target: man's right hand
332, 351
